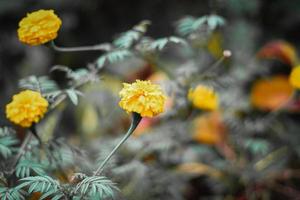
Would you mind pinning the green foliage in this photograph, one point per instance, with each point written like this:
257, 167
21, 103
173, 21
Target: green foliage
41, 84
257, 146
7, 142
11, 193
161, 43
44, 184
73, 95
127, 39
113, 57
131, 37
26, 166
190, 24
95, 187
59, 154
71, 74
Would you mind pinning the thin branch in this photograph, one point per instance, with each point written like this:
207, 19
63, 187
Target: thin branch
99, 47
22, 150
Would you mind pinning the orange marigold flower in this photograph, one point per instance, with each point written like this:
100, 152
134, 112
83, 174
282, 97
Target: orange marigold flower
26, 108
295, 77
39, 27
142, 97
204, 98
209, 128
272, 93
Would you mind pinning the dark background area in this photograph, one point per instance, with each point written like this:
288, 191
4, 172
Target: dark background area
96, 21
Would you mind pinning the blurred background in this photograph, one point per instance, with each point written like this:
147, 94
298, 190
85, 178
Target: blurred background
251, 26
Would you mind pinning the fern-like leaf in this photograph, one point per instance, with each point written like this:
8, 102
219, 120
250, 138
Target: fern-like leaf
26, 166
96, 187
113, 57
190, 24
7, 142
11, 193
43, 184
72, 74
129, 38
41, 84
161, 43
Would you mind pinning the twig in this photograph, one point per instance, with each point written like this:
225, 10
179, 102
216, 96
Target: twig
22, 150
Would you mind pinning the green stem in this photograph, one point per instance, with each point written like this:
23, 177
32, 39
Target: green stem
136, 118
100, 47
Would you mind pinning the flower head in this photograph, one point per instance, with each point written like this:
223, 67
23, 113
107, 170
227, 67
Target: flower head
295, 77
271, 93
204, 98
142, 97
26, 108
39, 27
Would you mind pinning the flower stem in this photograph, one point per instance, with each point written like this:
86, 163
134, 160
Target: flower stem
136, 118
100, 47
21, 150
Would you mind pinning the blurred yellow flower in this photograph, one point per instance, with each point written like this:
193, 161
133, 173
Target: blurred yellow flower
26, 108
209, 129
272, 93
295, 77
204, 98
39, 27
142, 97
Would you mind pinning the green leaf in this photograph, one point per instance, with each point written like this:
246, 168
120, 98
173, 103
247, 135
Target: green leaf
257, 146
72, 94
95, 187
25, 166
129, 38
161, 43
214, 20
113, 57
11, 193
6, 145
44, 184
189, 25
40, 84
185, 25
75, 75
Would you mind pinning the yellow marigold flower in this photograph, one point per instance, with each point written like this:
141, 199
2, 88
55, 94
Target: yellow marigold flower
26, 108
142, 97
272, 93
295, 77
39, 27
204, 98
